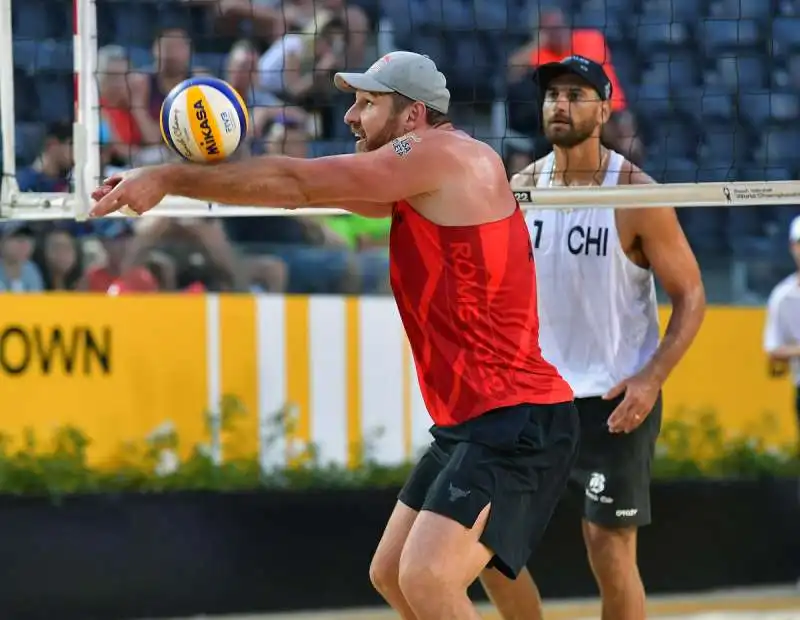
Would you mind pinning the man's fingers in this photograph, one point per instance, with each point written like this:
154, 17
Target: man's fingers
101, 191
109, 203
113, 180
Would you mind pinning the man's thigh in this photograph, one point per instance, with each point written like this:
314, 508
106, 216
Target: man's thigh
613, 471
521, 483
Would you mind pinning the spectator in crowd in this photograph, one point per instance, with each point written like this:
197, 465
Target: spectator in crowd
298, 67
319, 260
172, 53
199, 248
127, 120
18, 273
782, 330
552, 40
264, 107
262, 17
59, 257
369, 239
50, 171
116, 239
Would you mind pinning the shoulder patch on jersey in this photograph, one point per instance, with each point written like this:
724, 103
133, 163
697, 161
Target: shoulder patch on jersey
403, 145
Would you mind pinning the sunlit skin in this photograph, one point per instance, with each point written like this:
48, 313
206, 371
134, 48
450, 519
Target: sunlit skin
374, 121
795, 248
573, 112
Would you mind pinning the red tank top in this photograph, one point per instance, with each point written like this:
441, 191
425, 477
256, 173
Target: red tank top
467, 299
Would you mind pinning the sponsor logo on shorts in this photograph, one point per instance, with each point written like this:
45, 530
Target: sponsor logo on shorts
456, 493
595, 487
629, 512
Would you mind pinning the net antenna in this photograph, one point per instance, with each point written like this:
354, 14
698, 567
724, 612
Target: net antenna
88, 169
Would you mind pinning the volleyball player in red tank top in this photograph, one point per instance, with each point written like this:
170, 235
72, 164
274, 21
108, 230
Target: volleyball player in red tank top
505, 429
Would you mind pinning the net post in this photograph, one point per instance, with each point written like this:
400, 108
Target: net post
8, 186
85, 61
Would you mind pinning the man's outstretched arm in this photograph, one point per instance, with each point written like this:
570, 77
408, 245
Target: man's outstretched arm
380, 177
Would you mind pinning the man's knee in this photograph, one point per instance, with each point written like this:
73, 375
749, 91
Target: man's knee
384, 573
420, 581
611, 551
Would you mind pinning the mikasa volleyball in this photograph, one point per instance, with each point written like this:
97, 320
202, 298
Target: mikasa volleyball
204, 120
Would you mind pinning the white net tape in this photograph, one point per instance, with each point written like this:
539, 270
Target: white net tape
33, 206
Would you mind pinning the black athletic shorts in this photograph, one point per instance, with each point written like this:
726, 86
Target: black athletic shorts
516, 458
612, 473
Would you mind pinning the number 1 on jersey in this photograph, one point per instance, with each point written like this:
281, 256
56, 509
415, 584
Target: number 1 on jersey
537, 234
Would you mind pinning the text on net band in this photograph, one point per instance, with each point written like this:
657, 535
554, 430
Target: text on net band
56, 206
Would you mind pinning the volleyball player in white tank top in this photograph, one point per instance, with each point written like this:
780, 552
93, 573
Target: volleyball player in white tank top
599, 326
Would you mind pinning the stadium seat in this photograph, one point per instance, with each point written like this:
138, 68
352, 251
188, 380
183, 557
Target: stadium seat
742, 72
26, 105
55, 56
679, 10
673, 140
54, 93
677, 70
28, 139
213, 63
785, 35
135, 22
672, 170
651, 100
778, 147
760, 108
726, 141
493, 16
725, 36
29, 20
701, 104
652, 38
759, 10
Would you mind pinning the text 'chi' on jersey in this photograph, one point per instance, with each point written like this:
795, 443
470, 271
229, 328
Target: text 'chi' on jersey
598, 314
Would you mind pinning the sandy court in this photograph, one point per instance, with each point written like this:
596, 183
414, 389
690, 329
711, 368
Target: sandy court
761, 604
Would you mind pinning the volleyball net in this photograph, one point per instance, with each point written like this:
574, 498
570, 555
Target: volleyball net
711, 86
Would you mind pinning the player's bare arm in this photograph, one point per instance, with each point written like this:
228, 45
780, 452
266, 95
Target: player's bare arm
356, 182
658, 242
527, 177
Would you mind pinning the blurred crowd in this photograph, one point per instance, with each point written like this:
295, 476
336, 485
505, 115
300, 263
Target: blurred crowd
681, 82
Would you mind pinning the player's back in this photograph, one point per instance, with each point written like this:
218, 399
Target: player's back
467, 298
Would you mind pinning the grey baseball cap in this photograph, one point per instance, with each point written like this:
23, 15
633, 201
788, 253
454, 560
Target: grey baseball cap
412, 75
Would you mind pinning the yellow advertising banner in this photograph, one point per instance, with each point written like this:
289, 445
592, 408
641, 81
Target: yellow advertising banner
117, 368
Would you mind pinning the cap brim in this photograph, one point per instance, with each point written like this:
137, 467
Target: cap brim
548, 72
351, 82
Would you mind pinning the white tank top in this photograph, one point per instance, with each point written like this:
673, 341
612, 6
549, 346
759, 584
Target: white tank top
598, 313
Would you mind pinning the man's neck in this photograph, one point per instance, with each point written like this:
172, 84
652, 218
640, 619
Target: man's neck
580, 165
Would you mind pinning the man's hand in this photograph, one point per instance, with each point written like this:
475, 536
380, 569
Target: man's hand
139, 190
641, 393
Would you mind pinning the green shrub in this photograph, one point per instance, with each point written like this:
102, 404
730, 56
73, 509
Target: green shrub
59, 466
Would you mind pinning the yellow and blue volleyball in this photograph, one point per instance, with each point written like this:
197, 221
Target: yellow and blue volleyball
204, 120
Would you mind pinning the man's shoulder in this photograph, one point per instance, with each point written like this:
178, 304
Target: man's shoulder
786, 287
631, 174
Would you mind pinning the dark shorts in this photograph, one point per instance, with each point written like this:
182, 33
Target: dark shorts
612, 473
516, 458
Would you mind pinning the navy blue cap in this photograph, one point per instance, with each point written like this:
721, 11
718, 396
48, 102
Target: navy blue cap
588, 70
